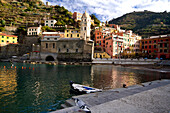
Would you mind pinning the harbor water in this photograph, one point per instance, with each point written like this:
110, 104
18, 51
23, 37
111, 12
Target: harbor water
34, 88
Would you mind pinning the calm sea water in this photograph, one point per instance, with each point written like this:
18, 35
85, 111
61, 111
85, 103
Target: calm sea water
42, 88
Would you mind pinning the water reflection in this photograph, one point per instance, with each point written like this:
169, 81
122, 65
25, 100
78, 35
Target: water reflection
40, 88
110, 77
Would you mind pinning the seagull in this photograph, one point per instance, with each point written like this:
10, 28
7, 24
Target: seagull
82, 105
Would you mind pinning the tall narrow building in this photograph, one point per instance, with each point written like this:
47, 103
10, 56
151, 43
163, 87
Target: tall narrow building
85, 26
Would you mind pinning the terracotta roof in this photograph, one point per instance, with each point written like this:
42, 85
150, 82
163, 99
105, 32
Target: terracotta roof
3, 34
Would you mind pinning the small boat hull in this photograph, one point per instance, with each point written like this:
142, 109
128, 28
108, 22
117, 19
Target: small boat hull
81, 89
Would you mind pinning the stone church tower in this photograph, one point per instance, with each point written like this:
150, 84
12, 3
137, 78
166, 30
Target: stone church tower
85, 26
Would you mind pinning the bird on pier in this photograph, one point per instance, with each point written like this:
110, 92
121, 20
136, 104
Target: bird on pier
124, 86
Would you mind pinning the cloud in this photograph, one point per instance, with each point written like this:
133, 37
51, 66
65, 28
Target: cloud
109, 9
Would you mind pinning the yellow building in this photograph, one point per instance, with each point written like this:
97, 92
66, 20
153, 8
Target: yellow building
101, 55
72, 33
7, 39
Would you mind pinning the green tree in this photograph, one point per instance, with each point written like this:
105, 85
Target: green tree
2, 29
96, 21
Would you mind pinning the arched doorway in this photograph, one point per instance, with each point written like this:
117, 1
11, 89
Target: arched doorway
49, 58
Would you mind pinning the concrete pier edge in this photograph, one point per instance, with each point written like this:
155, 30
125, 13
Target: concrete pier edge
106, 101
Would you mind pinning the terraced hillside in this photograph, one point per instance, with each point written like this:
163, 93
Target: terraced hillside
30, 12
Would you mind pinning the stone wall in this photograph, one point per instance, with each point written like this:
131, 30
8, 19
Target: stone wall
68, 49
13, 50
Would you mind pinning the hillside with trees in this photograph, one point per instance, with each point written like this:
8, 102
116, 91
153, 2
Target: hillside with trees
145, 23
24, 13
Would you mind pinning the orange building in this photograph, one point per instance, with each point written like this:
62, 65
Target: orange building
156, 46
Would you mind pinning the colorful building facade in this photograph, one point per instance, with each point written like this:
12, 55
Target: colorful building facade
50, 23
156, 46
32, 31
72, 33
8, 39
77, 16
115, 41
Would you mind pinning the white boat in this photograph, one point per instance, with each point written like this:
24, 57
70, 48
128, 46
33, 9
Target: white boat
81, 89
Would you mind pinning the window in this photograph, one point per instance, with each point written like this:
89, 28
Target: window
32, 29
51, 21
71, 35
142, 42
149, 51
2, 40
145, 47
160, 45
53, 45
29, 29
154, 46
77, 35
145, 42
51, 24
67, 35
35, 29
149, 46
55, 38
58, 49
64, 46
77, 50
142, 47
149, 41
46, 21
165, 45
7, 41
84, 28
46, 45
165, 50
67, 50
7, 37
154, 41
46, 24
13, 42
48, 38
160, 50
13, 38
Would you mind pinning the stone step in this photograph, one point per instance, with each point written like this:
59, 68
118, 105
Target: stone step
63, 106
70, 103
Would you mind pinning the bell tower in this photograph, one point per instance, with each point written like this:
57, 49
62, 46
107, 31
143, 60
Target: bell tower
85, 26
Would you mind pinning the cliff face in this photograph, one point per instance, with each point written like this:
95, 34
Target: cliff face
145, 23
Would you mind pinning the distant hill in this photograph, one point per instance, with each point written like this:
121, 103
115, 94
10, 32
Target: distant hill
145, 23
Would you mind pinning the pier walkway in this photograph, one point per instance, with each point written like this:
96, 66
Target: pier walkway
149, 97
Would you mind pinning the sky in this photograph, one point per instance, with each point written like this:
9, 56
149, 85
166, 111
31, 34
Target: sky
106, 10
